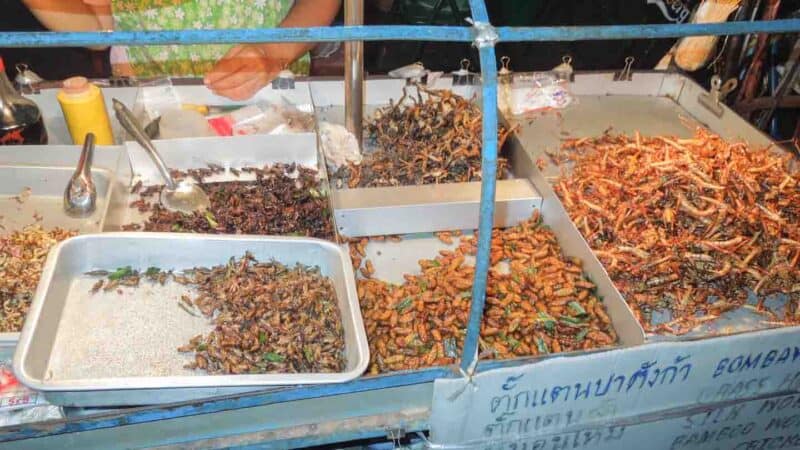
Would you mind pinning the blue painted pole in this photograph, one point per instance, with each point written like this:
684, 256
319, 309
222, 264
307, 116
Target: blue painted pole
488, 185
592, 33
317, 34
479, 11
379, 33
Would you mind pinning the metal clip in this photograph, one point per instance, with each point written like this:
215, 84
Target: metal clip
626, 74
714, 99
27, 80
284, 80
463, 76
504, 74
564, 71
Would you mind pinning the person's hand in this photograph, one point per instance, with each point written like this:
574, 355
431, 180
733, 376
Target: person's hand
243, 71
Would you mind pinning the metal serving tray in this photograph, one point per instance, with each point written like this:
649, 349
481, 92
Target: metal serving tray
416, 209
392, 260
652, 104
197, 153
32, 189
55, 318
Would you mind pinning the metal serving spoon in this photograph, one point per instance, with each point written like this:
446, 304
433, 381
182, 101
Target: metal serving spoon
184, 196
80, 196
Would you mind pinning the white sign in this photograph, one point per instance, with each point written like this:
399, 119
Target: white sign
562, 393
769, 423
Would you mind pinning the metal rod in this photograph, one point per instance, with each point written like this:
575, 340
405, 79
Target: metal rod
354, 72
603, 32
488, 187
391, 33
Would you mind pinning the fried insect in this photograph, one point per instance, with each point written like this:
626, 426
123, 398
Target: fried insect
275, 203
267, 318
686, 227
435, 140
539, 303
22, 256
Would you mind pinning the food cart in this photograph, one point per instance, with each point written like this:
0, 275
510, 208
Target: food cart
741, 370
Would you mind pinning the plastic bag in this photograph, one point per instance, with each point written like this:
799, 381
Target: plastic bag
263, 118
339, 145
154, 98
525, 93
18, 404
181, 123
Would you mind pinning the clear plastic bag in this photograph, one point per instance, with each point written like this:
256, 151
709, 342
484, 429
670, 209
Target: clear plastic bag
18, 404
263, 118
526, 93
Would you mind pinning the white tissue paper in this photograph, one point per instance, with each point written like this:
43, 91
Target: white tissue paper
339, 145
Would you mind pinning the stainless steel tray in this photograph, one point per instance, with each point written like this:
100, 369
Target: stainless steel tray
197, 153
391, 260
42, 173
416, 209
101, 364
651, 103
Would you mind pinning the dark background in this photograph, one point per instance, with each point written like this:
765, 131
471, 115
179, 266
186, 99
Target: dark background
50, 63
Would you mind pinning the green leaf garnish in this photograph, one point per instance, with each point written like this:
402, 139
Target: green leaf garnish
541, 346
273, 357
575, 306
404, 305
121, 273
581, 334
212, 221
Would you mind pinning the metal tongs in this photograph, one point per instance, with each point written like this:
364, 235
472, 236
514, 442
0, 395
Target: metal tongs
80, 195
184, 196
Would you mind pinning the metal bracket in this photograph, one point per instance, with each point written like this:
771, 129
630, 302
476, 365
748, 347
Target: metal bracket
485, 34
626, 74
395, 435
714, 99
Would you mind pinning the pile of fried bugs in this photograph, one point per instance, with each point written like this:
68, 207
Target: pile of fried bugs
539, 303
267, 317
436, 139
276, 203
22, 257
687, 226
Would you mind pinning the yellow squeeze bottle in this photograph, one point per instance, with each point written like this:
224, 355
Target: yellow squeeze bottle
85, 111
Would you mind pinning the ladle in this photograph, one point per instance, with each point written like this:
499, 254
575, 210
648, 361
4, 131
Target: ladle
184, 196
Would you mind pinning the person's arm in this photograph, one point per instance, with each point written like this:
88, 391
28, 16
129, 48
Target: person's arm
247, 68
65, 15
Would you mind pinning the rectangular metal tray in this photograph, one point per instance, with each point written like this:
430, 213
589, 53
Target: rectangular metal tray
392, 260
53, 316
652, 104
197, 153
417, 209
45, 170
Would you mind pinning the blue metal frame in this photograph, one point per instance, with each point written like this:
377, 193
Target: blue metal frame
485, 37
